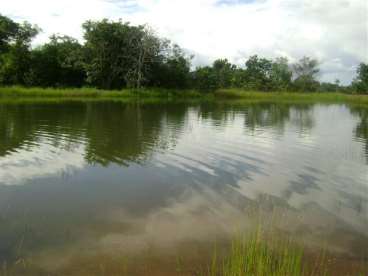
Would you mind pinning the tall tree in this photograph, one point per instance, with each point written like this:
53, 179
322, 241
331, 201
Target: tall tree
204, 79
258, 73
58, 63
147, 48
15, 54
360, 83
8, 31
118, 54
281, 74
172, 67
305, 74
108, 50
224, 72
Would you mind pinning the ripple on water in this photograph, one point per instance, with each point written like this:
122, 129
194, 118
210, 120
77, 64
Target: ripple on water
179, 172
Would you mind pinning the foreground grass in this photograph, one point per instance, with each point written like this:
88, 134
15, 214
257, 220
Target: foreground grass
262, 257
18, 92
256, 255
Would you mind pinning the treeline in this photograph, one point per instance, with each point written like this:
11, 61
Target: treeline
116, 55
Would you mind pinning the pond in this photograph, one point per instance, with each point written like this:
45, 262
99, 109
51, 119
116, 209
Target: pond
111, 178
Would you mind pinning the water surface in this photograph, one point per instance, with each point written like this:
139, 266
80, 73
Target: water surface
82, 178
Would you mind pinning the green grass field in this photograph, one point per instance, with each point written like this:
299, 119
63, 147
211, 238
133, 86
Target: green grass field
36, 92
291, 96
22, 92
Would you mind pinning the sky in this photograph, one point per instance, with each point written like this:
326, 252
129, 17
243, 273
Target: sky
333, 31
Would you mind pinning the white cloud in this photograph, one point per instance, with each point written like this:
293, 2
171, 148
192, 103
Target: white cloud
334, 31
39, 161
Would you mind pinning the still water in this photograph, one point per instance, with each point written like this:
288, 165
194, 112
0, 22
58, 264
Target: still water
90, 178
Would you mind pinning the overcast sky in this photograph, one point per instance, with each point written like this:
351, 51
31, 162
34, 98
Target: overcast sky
333, 31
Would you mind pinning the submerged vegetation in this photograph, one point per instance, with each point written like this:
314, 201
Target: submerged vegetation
117, 55
247, 255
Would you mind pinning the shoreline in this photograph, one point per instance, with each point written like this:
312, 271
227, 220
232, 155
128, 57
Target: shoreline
16, 92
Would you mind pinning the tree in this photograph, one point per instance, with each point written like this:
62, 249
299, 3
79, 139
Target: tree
204, 79
118, 54
15, 44
281, 74
305, 73
147, 48
360, 83
328, 87
224, 72
258, 73
172, 68
8, 31
108, 49
57, 63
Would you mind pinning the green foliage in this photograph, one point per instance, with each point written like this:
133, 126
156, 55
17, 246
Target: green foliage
360, 84
224, 72
106, 61
15, 55
330, 87
204, 79
305, 72
281, 74
8, 31
258, 73
118, 55
57, 63
171, 69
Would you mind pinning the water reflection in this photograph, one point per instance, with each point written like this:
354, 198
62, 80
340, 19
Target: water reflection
127, 177
263, 116
361, 130
128, 133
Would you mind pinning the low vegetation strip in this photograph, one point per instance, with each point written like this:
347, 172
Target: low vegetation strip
290, 96
22, 92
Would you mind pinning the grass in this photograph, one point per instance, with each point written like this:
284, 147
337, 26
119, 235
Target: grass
291, 96
36, 92
18, 92
271, 252
263, 253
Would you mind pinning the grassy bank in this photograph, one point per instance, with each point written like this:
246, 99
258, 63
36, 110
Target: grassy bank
16, 92
35, 92
291, 96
